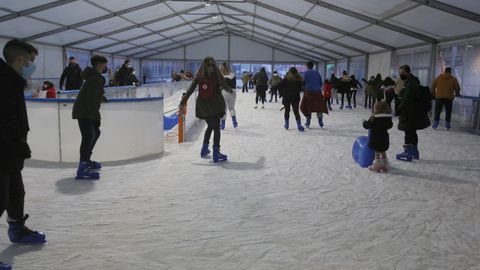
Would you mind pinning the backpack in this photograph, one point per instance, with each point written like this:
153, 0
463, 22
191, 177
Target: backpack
425, 98
206, 89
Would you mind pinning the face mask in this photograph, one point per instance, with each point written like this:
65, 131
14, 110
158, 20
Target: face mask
403, 77
27, 71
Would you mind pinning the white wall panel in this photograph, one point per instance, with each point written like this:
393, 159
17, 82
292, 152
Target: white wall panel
280, 56
379, 63
175, 54
246, 50
217, 48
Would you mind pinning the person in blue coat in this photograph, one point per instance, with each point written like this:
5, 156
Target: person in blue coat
313, 100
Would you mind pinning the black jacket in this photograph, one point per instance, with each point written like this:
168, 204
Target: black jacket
73, 73
412, 116
289, 90
344, 84
87, 104
122, 76
379, 125
13, 120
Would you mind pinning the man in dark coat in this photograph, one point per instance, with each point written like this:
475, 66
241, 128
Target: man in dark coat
413, 116
87, 111
73, 73
123, 74
19, 57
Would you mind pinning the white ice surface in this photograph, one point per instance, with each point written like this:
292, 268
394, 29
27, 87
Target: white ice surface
285, 200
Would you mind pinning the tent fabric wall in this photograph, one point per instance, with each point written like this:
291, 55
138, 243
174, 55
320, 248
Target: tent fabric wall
464, 59
379, 64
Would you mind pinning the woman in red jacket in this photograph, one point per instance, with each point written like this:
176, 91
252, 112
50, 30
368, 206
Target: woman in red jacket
327, 93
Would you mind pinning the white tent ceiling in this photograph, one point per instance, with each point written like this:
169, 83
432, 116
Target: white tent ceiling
323, 29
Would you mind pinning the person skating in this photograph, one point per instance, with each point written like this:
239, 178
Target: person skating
334, 81
17, 67
73, 74
210, 105
245, 81
261, 83
388, 87
413, 113
313, 100
444, 87
379, 124
86, 111
353, 91
229, 98
344, 85
276, 79
290, 88
368, 92
377, 93
327, 93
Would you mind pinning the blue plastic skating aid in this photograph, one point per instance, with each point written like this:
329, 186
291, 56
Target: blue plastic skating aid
4, 266
170, 121
361, 153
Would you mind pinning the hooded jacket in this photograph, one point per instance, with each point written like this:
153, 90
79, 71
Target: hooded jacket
13, 120
87, 104
444, 86
379, 124
412, 117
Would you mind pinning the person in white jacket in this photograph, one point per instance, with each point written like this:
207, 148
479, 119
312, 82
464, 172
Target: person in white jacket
229, 98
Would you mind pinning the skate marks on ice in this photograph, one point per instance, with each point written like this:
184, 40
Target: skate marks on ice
430, 177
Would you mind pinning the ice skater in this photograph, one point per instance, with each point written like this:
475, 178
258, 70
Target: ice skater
14, 72
327, 93
290, 88
210, 105
344, 86
229, 98
276, 79
379, 124
261, 82
87, 112
313, 100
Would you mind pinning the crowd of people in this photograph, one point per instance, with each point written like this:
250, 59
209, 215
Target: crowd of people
216, 96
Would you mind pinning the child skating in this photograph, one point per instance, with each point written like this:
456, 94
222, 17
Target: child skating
379, 124
229, 98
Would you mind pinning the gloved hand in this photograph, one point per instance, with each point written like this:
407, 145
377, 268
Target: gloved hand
23, 150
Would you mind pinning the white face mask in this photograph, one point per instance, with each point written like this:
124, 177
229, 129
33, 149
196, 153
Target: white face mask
27, 71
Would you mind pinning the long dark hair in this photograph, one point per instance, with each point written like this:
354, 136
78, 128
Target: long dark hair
293, 75
202, 70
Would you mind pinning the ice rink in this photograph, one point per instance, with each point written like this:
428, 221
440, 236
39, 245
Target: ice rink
284, 200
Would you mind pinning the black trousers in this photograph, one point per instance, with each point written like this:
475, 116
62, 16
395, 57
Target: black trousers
353, 94
439, 104
349, 98
411, 137
274, 93
245, 88
90, 131
397, 105
368, 101
327, 103
295, 105
12, 194
213, 124
261, 93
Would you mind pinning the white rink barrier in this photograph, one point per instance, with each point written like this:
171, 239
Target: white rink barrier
130, 129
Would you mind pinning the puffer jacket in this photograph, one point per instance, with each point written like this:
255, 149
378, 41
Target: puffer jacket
344, 84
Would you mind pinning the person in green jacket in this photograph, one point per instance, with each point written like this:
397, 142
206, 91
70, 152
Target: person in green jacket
210, 105
87, 111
